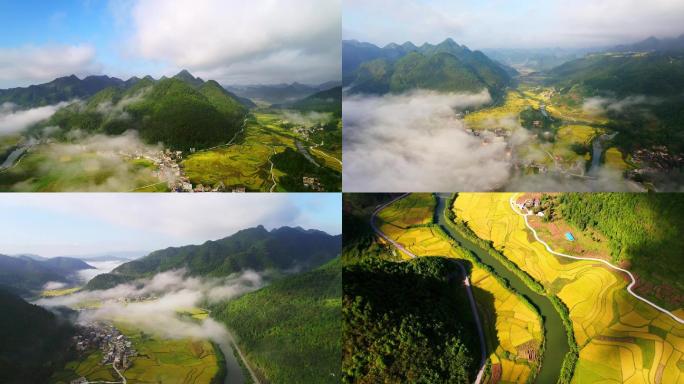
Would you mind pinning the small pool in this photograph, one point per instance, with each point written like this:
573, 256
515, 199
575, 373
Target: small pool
569, 236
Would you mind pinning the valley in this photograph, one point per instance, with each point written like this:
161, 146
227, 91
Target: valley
179, 134
582, 323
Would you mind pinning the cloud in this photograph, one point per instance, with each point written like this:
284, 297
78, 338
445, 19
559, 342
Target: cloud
31, 64
497, 24
415, 142
602, 179
306, 119
241, 42
166, 294
14, 120
602, 105
100, 267
51, 285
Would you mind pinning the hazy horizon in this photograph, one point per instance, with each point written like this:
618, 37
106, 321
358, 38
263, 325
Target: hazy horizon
532, 24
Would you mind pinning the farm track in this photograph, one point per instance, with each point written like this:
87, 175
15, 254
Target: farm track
466, 282
631, 276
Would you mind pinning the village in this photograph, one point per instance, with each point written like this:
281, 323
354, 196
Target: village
116, 349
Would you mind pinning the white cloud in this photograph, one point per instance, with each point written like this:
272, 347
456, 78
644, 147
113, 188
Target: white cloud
13, 120
174, 292
32, 64
415, 142
242, 42
184, 217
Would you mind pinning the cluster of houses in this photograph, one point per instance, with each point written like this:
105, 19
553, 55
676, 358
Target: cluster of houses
306, 132
312, 183
116, 348
531, 205
658, 157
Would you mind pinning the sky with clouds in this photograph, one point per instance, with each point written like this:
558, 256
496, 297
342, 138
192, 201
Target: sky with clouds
233, 42
82, 224
512, 24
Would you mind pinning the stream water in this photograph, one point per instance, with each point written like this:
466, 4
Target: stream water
554, 331
234, 373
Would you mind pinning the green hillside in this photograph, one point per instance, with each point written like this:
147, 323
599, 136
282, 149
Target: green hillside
172, 111
329, 100
254, 248
643, 230
653, 74
34, 342
290, 330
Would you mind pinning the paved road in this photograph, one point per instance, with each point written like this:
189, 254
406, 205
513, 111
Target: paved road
466, 282
629, 287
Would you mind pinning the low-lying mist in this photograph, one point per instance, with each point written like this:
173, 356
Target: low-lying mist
415, 141
154, 305
14, 120
307, 119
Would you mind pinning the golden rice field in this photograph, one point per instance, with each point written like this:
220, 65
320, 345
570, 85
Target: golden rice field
613, 159
514, 103
621, 339
515, 325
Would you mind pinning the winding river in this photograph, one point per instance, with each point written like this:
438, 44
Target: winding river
234, 374
554, 331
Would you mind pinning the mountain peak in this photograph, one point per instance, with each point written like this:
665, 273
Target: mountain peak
186, 76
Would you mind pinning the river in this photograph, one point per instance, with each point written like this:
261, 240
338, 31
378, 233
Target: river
554, 331
234, 373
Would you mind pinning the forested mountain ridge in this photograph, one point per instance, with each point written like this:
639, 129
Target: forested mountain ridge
34, 341
183, 112
255, 248
447, 67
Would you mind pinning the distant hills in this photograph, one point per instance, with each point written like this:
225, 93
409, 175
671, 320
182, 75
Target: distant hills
26, 275
329, 100
653, 44
447, 67
255, 248
280, 93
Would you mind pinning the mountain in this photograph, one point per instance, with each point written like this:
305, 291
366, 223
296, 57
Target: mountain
34, 341
255, 248
653, 44
329, 100
278, 93
624, 74
61, 89
24, 274
447, 67
183, 112
270, 323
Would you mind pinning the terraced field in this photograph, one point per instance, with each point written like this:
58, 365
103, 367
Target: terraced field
621, 339
512, 327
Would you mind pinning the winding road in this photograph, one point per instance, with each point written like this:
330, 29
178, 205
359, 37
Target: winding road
631, 276
466, 282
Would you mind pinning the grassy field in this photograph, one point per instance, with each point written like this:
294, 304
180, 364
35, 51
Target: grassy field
621, 339
511, 327
182, 361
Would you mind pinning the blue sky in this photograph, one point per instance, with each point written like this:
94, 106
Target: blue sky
81, 224
232, 42
512, 24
